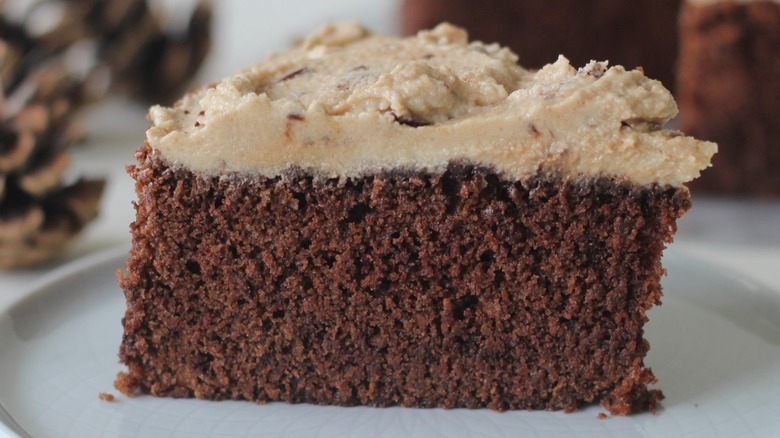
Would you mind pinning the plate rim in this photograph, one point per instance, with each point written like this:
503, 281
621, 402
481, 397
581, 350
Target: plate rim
74, 267
41, 286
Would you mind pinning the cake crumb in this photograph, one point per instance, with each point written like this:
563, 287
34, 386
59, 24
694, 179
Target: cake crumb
602, 416
105, 396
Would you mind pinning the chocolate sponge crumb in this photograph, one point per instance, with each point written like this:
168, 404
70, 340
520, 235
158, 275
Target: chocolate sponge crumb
456, 289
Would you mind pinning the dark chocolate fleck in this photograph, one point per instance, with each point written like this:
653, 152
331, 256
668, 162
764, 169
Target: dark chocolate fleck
300, 71
408, 122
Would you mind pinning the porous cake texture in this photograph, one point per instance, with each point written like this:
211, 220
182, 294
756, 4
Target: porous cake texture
416, 222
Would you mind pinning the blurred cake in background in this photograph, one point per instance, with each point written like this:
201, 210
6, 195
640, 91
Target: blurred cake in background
639, 33
729, 91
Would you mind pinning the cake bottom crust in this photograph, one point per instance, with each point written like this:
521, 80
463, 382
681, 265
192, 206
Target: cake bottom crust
443, 290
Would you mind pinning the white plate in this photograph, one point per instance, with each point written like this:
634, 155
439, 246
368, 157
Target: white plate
715, 348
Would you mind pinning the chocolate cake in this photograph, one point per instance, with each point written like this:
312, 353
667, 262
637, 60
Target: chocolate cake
368, 220
729, 91
636, 33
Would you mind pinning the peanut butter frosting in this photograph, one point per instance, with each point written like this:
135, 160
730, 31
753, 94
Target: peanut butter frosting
347, 103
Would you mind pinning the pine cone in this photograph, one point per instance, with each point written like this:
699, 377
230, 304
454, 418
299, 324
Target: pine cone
55, 58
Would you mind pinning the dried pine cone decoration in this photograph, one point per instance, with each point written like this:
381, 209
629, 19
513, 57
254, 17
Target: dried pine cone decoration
147, 61
56, 57
167, 61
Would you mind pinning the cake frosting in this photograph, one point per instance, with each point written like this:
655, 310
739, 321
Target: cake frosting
347, 103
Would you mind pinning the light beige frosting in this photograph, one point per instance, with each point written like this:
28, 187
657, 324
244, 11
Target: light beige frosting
348, 103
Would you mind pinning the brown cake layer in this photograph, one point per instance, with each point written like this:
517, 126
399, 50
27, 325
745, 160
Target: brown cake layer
636, 33
449, 290
729, 92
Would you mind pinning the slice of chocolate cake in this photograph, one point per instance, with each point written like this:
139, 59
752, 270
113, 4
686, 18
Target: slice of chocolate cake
415, 222
729, 91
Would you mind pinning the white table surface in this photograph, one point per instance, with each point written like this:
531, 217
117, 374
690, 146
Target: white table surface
248, 31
